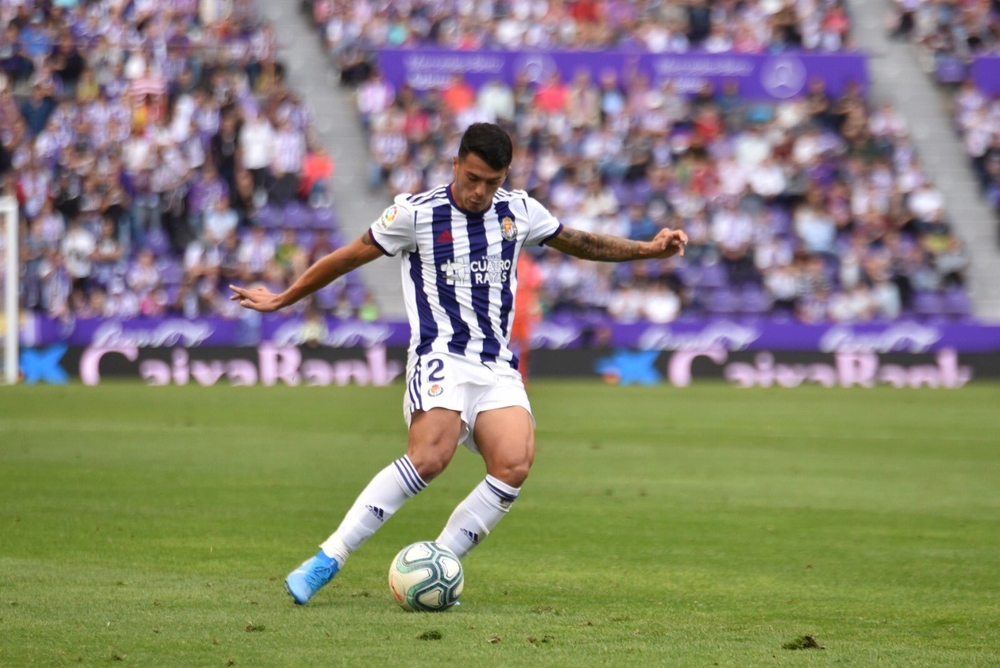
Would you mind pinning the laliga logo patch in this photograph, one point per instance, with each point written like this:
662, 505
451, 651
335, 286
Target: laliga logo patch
388, 217
434, 390
508, 229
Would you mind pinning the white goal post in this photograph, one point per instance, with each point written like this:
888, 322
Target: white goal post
12, 311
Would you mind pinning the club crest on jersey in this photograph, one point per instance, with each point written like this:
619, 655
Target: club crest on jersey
388, 218
507, 228
435, 390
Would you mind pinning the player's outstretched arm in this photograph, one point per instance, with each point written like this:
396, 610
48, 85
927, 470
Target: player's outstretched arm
324, 271
609, 248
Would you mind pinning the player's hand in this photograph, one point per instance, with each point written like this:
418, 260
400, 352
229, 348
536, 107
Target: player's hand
257, 299
668, 243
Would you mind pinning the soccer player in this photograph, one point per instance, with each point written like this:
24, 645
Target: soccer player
459, 246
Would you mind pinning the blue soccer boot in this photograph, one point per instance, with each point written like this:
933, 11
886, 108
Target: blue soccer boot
307, 579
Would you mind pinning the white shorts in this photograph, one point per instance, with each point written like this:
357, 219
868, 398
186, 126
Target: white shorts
443, 380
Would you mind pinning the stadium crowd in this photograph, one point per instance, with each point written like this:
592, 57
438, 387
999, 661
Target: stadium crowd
948, 34
752, 26
977, 118
815, 208
156, 155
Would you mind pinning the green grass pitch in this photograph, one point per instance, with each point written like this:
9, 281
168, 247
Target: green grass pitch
699, 527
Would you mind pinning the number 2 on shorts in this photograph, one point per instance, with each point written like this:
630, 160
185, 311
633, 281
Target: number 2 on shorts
436, 368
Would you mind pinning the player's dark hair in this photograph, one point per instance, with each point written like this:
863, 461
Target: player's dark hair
490, 142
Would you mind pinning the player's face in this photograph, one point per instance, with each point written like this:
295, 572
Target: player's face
475, 182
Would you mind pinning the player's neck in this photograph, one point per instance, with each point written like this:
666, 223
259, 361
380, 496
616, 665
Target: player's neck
467, 212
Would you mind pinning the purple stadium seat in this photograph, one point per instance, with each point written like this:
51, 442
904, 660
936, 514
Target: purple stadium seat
337, 239
950, 69
324, 219
305, 238
269, 216
297, 216
326, 297
171, 273
781, 220
356, 293
754, 299
641, 190
156, 241
690, 274
623, 192
928, 304
956, 303
713, 276
722, 301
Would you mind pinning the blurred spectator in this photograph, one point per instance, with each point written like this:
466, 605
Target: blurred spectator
143, 276
256, 147
78, 246
317, 168
458, 96
527, 310
496, 101
220, 221
255, 255
375, 96
37, 109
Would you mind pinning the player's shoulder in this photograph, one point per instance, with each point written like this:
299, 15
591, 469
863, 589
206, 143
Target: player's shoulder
424, 200
400, 212
504, 195
520, 199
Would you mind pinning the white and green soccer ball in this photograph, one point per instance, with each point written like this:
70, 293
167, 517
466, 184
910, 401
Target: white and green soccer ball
426, 577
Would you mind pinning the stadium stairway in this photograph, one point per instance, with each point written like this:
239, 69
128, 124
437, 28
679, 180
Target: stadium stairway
312, 74
897, 78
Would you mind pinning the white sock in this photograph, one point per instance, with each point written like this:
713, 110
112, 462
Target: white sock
384, 495
475, 517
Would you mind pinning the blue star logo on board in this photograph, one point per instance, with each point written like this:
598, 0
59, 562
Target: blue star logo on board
43, 364
629, 367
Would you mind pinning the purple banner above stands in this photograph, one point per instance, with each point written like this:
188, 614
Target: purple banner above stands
901, 336
986, 74
760, 76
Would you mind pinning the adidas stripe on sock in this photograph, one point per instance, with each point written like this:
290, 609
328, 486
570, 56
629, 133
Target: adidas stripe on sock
477, 515
385, 494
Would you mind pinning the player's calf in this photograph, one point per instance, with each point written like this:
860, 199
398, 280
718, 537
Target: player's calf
477, 515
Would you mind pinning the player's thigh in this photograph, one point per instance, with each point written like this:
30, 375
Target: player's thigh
506, 440
434, 436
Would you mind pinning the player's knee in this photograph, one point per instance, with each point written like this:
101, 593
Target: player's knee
430, 462
518, 473
512, 471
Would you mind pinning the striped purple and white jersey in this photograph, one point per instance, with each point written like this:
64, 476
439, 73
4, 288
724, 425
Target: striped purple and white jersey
459, 268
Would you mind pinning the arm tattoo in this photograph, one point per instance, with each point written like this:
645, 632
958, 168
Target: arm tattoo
601, 247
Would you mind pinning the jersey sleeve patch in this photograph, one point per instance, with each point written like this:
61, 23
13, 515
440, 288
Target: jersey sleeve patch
388, 218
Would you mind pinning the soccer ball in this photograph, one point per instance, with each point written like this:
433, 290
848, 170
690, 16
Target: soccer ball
426, 577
